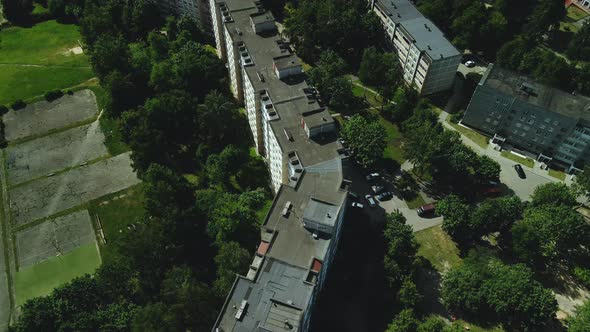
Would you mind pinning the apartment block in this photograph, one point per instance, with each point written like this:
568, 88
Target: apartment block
429, 61
583, 4
545, 121
297, 137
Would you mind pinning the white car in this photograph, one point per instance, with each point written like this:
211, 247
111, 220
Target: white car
372, 176
357, 205
469, 63
370, 200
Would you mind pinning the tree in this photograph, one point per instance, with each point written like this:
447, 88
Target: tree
457, 215
579, 46
405, 321
57, 8
545, 14
486, 169
581, 184
496, 215
409, 296
221, 167
365, 138
548, 233
372, 69
17, 11
232, 220
403, 103
400, 249
231, 259
553, 193
581, 321
432, 324
166, 193
492, 291
110, 53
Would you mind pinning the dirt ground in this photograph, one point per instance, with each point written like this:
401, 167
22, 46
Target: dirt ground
47, 196
51, 153
43, 116
54, 237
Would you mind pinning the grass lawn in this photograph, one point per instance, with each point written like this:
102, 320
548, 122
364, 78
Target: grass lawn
415, 203
437, 247
42, 278
473, 135
118, 213
575, 13
557, 174
393, 150
263, 211
528, 162
47, 47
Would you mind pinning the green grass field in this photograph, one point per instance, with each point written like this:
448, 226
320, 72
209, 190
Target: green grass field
557, 174
39, 59
524, 161
42, 278
473, 135
437, 247
118, 213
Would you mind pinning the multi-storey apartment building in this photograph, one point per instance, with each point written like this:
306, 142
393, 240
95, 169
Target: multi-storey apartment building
551, 123
428, 60
297, 137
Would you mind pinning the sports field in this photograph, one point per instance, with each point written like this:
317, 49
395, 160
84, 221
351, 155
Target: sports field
41, 58
41, 279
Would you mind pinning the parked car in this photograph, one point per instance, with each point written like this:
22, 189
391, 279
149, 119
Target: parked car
427, 209
357, 205
385, 195
520, 171
377, 189
370, 200
491, 191
372, 176
469, 63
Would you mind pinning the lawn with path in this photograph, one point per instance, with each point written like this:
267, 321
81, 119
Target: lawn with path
37, 59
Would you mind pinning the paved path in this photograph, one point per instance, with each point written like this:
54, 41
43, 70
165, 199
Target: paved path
5, 302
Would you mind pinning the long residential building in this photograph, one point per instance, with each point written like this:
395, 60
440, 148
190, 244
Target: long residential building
297, 137
429, 61
514, 109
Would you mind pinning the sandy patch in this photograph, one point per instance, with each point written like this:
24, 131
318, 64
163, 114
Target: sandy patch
74, 51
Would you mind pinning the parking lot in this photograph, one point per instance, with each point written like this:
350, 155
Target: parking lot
362, 187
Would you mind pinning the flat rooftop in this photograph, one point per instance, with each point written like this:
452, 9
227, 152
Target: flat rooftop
527, 89
427, 36
279, 291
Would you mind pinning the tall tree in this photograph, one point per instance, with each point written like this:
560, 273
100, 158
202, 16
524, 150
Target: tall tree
365, 138
581, 321
17, 11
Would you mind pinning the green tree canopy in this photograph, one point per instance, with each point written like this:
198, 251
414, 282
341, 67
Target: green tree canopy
365, 138
581, 321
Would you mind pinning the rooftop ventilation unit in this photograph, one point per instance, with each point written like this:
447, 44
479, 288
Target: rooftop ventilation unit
268, 106
260, 77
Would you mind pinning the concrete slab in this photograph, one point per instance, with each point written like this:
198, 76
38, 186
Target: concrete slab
43, 116
52, 153
47, 196
54, 237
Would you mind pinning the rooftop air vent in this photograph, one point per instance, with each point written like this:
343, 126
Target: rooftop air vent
265, 98
294, 178
260, 77
272, 113
268, 106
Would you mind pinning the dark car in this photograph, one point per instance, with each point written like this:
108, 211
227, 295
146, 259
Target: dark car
385, 196
426, 210
520, 171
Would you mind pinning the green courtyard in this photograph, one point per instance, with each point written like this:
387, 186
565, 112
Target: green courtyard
37, 59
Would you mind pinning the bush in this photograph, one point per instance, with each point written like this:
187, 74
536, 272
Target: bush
53, 95
583, 275
456, 117
3, 110
69, 92
17, 105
